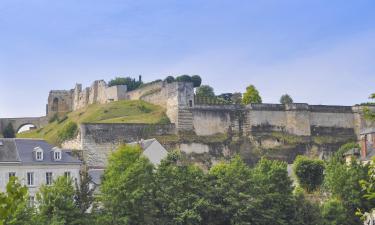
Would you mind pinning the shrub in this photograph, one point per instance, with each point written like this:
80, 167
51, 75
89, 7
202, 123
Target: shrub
309, 172
164, 120
67, 132
131, 83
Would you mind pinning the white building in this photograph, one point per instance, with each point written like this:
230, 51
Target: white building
35, 163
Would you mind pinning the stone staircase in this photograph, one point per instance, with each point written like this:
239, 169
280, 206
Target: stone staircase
185, 120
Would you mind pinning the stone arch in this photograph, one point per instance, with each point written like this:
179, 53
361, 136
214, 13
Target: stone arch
18, 128
55, 105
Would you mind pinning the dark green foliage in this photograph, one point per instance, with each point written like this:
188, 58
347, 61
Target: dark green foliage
169, 79
306, 212
56, 203
131, 83
179, 192
127, 188
342, 181
339, 155
68, 131
164, 120
333, 212
84, 196
205, 91
183, 78
9, 132
251, 95
286, 99
369, 115
14, 208
197, 80
309, 172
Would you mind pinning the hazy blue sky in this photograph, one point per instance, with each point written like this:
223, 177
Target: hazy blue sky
318, 51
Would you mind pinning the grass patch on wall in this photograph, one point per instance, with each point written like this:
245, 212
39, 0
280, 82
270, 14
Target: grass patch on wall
114, 112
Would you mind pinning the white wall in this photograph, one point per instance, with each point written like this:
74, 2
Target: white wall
39, 174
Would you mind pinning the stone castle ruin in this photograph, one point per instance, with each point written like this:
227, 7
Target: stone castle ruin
322, 128
276, 130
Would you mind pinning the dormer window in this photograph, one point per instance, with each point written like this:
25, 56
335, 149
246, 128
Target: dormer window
38, 154
56, 154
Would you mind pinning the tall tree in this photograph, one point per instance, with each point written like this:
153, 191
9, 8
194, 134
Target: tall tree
9, 132
131, 83
56, 203
127, 188
251, 95
14, 208
205, 91
286, 99
179, 192
84, 195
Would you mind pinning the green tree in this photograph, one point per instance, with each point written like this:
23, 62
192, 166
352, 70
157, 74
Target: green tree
251, 95
84, 196
286, 99
179, 192
205, 91
169, 79
127, 188
183, 78
306, 212
309, 172
131, 83
342, 181
368, 113
333, 212
9, 132
56, 203
369, 187
14, 209
197, 80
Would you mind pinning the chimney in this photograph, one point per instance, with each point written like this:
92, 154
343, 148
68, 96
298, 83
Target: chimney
364, 147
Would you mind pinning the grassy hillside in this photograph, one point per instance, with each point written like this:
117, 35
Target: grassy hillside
115, 112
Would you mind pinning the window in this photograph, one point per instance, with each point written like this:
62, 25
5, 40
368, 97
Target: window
190, 103
30, 179
67, 174
48, 178
38, 154
11, 174
57, 155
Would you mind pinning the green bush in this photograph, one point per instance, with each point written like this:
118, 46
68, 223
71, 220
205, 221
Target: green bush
197, 80
67, 132
309, 172
333, 212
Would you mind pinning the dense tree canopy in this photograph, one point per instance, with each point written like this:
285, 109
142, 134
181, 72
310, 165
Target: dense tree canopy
205, 91
251, 95
286, 99
131, 83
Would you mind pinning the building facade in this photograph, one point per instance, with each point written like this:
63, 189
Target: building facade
35, 163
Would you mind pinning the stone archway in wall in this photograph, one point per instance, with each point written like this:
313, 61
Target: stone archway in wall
25, 127
55, 105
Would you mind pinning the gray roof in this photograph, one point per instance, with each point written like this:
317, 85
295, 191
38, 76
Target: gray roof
367, 131
21, 150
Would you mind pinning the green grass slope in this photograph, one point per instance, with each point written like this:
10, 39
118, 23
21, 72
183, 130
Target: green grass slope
115, 112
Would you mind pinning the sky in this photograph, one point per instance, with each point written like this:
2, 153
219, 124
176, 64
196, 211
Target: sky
317, 51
